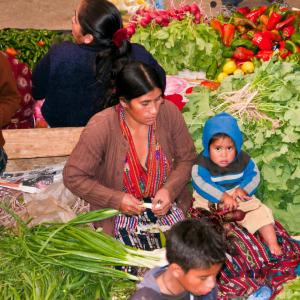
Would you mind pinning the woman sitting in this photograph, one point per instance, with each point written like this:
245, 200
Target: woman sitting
138, 150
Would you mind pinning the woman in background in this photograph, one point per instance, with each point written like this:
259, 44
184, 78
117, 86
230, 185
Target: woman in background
74, 78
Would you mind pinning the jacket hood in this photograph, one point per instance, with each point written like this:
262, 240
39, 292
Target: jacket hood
221, 123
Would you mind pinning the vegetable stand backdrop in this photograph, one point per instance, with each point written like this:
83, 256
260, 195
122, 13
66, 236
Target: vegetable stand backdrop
252, 61
257, 52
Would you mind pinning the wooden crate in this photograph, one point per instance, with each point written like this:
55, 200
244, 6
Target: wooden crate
33, 148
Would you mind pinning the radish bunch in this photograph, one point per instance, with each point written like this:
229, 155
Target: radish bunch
145, 16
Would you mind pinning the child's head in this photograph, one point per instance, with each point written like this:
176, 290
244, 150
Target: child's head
95, 22
222, 130
195, 252
222, 150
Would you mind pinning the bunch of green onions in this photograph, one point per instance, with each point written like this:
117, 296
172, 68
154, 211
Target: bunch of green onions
48, 255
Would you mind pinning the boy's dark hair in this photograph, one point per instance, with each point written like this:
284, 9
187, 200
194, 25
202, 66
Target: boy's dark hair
194, 244
218, 136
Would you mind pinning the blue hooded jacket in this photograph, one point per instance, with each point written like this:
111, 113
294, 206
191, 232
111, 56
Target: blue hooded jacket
222, 123
210, 180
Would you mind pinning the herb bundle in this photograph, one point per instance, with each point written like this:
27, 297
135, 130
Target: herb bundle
66, 261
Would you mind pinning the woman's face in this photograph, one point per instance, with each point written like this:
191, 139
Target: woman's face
144, 109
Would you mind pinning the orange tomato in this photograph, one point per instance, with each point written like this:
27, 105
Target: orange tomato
11, 51
41, 43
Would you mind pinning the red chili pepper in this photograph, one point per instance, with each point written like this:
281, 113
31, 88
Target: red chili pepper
272, 35
243, 10
288, 21
212, 85
216, 24
288, 31
273, 20
262, 41
242, 54
265, 55
284, 53
253, 15
228, 34
281, 45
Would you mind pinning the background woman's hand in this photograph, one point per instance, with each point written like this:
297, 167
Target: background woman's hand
131, 206
161, 203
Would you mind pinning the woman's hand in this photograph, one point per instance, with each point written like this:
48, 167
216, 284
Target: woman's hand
131, 206
161, 203
240, 194
229, 202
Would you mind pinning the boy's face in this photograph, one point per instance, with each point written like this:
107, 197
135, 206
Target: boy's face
199, 281
222, 151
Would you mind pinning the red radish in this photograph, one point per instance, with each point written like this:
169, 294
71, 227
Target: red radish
144, 22
187, 8
130, 30
197, 18
133, 18
140, 11
159, 20
233, 216
194, 8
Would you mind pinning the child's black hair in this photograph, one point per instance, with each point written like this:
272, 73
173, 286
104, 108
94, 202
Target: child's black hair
218, 136
195, 244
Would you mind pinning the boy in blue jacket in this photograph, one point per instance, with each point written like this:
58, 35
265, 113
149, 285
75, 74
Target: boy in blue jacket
226, 174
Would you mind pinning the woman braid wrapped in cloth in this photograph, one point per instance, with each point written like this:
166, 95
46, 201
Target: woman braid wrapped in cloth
135, 152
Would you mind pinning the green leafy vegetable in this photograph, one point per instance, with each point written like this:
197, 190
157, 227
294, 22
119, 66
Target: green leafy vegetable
267, 105
182, 45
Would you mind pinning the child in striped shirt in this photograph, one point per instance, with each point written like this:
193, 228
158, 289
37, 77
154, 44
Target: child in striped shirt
226, 174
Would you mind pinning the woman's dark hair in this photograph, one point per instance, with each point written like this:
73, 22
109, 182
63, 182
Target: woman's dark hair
136, 79
102, 19
195, 244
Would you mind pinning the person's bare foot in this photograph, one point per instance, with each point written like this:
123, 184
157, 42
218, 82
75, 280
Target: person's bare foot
275, 249
268, 234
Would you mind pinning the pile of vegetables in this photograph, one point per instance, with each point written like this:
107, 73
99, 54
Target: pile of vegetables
178, 39
66, 261
255, 34
267, 105
247, 36
30, 45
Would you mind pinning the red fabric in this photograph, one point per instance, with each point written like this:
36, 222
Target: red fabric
24, 116
138, 181
252, 265
176, 99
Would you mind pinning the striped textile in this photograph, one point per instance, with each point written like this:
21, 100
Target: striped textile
249, 264
143, 231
